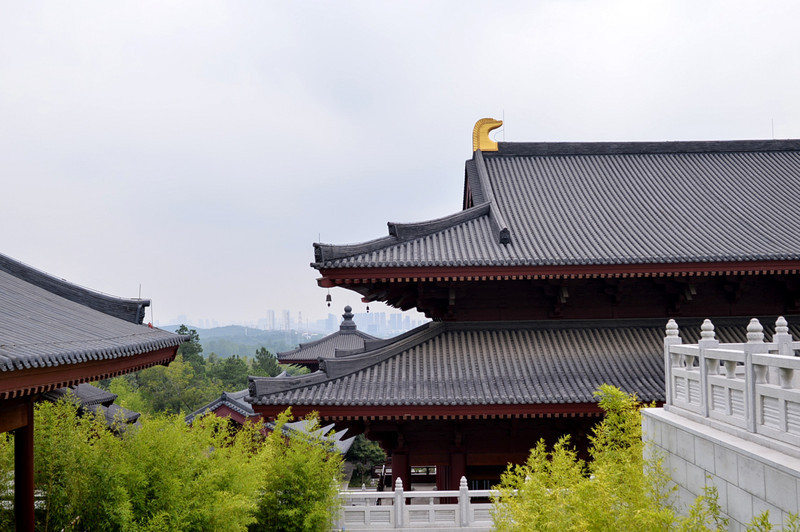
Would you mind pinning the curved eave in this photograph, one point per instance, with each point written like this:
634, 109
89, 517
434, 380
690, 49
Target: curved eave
36, 380
349, 276
437, 412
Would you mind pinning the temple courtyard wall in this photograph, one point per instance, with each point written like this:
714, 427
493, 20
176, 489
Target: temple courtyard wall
750, 477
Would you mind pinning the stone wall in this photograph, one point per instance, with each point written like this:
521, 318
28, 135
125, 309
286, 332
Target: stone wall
750, 478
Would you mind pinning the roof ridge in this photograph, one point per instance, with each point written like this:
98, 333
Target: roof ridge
499, 224
131, 310
643, 147
331, 369
398, 232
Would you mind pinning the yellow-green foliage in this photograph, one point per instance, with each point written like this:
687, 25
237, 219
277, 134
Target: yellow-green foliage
557, 491
621, 488
167, 476
301, 482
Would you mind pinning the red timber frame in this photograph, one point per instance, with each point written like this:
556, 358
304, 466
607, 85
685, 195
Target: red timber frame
451, 455
580, 292
332, 277
19, 390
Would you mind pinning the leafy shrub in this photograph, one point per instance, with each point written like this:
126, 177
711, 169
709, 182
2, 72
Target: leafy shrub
300, 481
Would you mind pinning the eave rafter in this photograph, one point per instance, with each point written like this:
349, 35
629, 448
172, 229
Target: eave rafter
435, 412
357, 278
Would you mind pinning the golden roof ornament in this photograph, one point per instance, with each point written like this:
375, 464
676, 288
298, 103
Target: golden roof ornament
480, 134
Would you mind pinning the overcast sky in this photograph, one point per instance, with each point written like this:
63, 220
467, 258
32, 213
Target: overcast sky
198, 149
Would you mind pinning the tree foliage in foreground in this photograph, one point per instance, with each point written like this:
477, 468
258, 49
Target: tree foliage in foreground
166, 475
621, 488
291, 462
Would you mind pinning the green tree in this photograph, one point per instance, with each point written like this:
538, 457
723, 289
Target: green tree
231, 373
265, 364
364, 454
192, 351
617, 490
175, 388
300, 482
621, 488
163, 475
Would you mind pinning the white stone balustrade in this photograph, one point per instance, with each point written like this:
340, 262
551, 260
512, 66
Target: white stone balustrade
752, 386
400, 509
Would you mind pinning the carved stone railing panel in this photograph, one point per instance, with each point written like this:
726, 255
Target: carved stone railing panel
751, 386
370, 510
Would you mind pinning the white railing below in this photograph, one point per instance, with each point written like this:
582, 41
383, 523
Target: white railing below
370, 510
754, 386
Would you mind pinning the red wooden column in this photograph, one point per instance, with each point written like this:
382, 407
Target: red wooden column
23, 473
401, 468
458, 468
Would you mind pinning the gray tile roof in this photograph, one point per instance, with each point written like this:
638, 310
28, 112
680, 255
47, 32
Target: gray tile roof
447, 363
93, 399
347, 338
86, 395
125, 309
553, 204
41, 328
233, 400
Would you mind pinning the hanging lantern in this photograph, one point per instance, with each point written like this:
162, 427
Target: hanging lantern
328, 298
367, 309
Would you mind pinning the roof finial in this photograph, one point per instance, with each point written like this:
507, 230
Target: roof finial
347, 323
480, 134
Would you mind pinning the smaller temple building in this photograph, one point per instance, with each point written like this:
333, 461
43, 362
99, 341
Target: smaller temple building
347, 338
233, 406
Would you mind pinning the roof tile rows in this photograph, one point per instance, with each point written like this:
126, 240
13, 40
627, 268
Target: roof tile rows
493, 363
41, 329
608, 203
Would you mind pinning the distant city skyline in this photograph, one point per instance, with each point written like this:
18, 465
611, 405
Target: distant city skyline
376, 323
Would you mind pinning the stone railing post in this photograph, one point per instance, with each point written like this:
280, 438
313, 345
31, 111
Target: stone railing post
755, 344
707, 341
463, 502
399, 503
670, 339
783, 338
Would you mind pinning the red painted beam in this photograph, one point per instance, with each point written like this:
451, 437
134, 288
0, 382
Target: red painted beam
29, 381
343, 412
337, 276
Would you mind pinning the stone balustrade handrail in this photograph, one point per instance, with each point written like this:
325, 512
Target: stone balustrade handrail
361, 510
752, 386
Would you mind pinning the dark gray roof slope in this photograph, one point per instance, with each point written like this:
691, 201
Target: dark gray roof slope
39, 328
85, 394
93, 399
233, 400
548, 204
447, 363
125, 309
347, 338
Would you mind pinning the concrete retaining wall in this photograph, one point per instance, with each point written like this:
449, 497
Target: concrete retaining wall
750, 478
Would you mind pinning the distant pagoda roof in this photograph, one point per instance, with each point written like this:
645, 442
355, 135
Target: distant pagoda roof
232, 402
484, 368
599, 208
347, 338
55, 334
